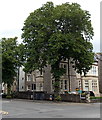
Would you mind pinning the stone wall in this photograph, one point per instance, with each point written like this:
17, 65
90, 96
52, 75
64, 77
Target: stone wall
46, 96
70, 98
100, 74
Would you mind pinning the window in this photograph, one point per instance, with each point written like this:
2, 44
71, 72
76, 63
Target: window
41, 72
37, 73
52, 84
22, 87
41, 86
33, 86
64, 59
86, 85
79, 84
61, 65
22, 78
28, 87
61, 84
94, 85
86, 81
34, 78
28, 77
94, 70
65, 66
65, 82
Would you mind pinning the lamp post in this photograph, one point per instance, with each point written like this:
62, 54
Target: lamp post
33, 92
17, 78
34, 85
69, 74
81, 86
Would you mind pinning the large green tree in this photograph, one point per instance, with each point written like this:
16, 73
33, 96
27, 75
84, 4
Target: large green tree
10, 61
54, 33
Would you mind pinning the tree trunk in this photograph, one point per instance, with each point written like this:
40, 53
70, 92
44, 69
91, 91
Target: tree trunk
8, 90
57, 87
56, 76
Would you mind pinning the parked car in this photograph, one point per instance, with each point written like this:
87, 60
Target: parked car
72, 92
92, 93
1, 95
88, 92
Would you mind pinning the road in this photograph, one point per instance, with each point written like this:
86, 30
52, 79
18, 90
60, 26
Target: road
42, 109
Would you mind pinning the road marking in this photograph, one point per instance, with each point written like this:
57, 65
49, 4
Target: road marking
3, 112
4, 101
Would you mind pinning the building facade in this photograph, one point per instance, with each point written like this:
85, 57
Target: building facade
37, 81
21, 82
90, 82
13, 87
34, 81
100, 71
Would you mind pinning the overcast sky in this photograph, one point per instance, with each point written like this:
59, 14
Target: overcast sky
13, 13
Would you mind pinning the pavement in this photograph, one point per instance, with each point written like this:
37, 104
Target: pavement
18, 108
46, 101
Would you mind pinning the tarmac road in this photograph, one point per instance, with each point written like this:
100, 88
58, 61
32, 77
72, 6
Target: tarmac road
45, 109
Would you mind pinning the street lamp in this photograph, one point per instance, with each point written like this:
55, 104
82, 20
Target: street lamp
69, 74
18, 78
34, 85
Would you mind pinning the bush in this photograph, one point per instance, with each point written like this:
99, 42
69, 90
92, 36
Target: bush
95, 97
8, 97
58, 98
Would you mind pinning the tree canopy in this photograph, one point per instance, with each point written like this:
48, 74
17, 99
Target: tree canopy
54, 33
10, 60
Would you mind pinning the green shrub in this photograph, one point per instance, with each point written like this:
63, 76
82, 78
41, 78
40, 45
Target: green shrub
92, 97
8, 97
58, 98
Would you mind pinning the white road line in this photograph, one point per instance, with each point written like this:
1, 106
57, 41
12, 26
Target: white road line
3, 112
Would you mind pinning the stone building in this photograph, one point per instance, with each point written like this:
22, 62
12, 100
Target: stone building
13, 87
90, 82
34, 81
100, 71
37, 81
21, 82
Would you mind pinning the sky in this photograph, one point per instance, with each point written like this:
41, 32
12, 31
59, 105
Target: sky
13, 13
